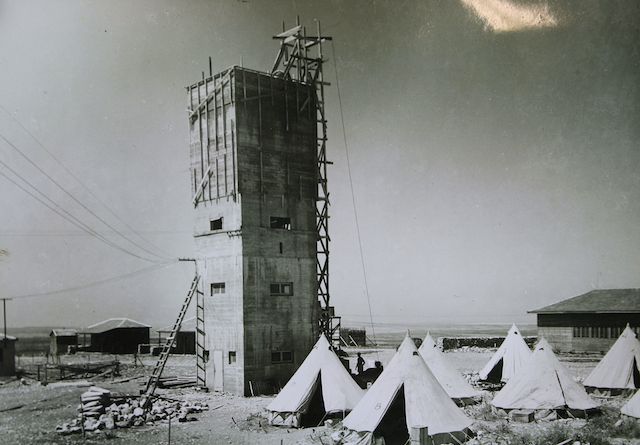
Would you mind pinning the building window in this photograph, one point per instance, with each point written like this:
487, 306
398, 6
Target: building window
232, 357
217, 288
597, 331
280, 222
281, 288
281, 357
281, 249
215, 224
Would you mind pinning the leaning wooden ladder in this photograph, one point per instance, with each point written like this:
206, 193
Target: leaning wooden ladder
152, 382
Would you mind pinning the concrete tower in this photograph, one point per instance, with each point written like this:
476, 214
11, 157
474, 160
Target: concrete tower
254, 177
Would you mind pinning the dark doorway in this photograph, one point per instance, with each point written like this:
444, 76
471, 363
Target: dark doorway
495, 376
393, 426
314, 414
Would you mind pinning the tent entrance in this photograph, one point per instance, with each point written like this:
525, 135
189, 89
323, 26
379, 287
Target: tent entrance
636, 374
393, 426
495, 376
315, 411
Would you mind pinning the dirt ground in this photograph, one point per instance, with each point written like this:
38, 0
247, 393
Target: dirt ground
30, 413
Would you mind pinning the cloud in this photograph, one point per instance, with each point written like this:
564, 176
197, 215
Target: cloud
508, 16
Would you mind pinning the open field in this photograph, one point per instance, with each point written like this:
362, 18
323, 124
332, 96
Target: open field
30, 413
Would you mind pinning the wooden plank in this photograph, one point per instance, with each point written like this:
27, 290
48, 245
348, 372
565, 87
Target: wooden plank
206, 90
200, 189
289, 32
201, 104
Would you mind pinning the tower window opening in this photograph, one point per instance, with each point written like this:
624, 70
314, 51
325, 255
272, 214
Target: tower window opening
280, 222
215, 224
217, 288
281, 288
232, 357
281, 357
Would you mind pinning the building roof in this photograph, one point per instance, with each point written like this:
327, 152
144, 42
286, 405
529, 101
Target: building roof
64, 332
9, 337
113, 323
597, 301
188, 325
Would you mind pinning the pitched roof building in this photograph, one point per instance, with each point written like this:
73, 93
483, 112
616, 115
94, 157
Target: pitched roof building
185, 342
61, 339
116, 336
591, 321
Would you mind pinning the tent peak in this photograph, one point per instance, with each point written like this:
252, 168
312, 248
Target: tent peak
322, 341
543, 344
514, 329
407, 342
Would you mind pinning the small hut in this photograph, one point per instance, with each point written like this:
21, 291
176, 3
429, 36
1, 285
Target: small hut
61, 340
185, 342
116, 336
7, 355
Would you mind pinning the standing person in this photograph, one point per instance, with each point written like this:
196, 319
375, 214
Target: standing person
360, 364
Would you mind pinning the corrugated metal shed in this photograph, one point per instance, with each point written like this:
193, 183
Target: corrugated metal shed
597, 301
113, 323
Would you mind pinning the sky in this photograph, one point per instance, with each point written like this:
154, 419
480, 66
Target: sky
493, 147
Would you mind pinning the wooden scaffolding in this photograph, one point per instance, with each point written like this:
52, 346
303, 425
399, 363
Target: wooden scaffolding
300, 59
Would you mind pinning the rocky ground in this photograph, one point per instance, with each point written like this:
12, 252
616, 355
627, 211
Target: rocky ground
30, 413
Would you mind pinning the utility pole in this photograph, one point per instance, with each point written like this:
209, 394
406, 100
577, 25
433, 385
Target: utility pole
4, 315
4, 252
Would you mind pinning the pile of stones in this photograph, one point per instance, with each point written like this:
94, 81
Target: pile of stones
99, 412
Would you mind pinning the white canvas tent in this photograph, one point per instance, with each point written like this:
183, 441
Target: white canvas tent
321, 383
632, 407
620, 367
544, 384
451, 380
406, 399
508, 359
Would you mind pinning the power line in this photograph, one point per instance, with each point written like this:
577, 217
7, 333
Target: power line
63, 213
99, 282
353, 195
76, 199
71, 233
112, 212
